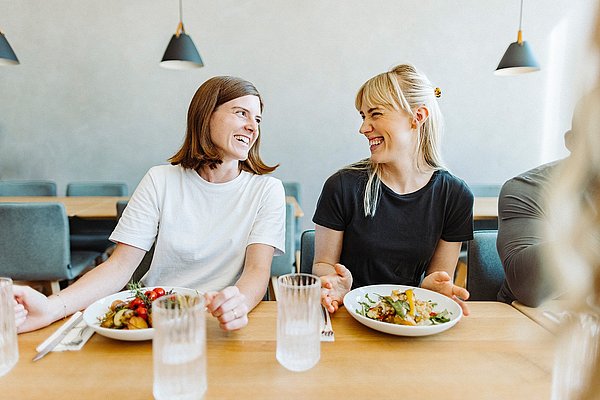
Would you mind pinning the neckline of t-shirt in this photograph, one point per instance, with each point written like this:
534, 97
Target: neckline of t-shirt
417, 192
221, 186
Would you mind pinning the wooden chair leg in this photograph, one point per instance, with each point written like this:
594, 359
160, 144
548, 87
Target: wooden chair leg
54, 287
273, 288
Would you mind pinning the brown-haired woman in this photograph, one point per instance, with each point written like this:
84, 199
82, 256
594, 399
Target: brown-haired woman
215, 218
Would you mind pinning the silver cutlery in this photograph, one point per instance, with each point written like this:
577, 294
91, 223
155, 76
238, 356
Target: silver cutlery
327, 331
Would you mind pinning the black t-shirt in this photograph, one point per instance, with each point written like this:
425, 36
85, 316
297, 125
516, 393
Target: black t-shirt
396, 245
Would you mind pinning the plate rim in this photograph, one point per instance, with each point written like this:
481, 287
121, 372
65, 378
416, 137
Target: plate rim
124, 334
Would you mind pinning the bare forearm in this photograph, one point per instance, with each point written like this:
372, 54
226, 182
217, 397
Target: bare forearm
253, 286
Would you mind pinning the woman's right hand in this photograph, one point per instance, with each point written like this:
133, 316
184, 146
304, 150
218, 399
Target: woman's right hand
334, 287
32, 310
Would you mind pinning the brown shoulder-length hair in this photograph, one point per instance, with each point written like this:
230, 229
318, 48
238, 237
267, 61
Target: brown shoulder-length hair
198, 150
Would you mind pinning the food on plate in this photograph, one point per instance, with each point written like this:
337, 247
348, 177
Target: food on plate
402, 308
135, 313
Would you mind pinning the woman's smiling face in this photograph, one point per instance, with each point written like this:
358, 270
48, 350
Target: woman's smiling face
388, 131
234, 127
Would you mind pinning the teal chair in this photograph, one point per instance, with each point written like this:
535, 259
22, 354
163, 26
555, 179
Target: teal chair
293, 189
92, 234
284, 264
485, 273
27, 188
115, 189
144, 266
34, 245
307, 251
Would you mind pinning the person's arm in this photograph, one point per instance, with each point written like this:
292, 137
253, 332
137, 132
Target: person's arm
107, 278
438, 276
336, 280
232, 304
521, 245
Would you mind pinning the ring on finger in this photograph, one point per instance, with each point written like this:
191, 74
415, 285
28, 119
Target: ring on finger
235, 316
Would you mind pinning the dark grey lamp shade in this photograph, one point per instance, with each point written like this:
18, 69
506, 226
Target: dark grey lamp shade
7, 55
181, 53
518, 59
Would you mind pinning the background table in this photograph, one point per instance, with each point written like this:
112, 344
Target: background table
75, 206
496, 353
485, 208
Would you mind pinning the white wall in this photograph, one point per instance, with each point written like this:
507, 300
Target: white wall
89, 101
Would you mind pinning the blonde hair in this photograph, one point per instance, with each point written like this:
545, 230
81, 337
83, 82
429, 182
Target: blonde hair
403, 88
575, 231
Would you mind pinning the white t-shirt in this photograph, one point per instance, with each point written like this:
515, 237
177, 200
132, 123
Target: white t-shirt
201, 229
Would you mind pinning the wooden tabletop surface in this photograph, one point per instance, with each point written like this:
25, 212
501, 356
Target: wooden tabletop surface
97, 206
76, 206
485, 208
495, 353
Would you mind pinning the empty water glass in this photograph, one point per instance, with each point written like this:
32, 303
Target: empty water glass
298, 321
179, 347
9, 349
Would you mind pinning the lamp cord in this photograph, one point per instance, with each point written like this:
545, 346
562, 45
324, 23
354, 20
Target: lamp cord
520, 15
520, 34
180, 27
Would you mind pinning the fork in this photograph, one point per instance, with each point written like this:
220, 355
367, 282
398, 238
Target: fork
327, 331
78, 338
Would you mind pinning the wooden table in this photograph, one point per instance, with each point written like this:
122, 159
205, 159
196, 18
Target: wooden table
547, 314
97, 206
485, 208
495, 353
75, 206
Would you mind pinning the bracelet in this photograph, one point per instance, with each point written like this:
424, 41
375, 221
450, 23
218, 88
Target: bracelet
64, 306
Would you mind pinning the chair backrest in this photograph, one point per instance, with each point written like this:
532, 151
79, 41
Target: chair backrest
293, 189
34, 241
485, 273
307, 251
284, 264
27, 188
97, 189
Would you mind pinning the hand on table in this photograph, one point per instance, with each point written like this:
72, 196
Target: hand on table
441, 282
229, 307
334, 287
32, 309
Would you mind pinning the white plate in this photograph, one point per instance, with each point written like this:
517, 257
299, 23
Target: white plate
100, 307
443, 303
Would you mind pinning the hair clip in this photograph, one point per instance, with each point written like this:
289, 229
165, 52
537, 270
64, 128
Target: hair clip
438, 92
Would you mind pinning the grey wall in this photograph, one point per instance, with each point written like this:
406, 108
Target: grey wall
89, 101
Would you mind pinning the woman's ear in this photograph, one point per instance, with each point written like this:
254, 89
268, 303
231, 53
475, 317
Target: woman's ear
421, 115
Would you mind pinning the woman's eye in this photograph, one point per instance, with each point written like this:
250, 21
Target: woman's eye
376, 114
258, 120
241, 113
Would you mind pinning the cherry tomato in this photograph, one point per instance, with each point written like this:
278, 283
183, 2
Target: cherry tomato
142, 312
151, 295
135, 303
159, 291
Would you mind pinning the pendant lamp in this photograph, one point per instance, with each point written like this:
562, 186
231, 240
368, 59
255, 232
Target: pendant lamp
181, 52
7, 55
518, 58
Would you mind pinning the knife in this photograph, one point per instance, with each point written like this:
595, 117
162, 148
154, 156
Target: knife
59, 335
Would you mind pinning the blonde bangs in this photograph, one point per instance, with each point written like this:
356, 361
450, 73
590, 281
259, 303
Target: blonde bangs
381, 90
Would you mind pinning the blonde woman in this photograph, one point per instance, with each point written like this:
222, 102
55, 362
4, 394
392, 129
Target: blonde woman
397, 217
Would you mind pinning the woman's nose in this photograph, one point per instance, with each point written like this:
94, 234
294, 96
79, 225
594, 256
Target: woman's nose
365, 128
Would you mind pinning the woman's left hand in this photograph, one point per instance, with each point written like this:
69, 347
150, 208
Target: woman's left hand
440, 281
229, 307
